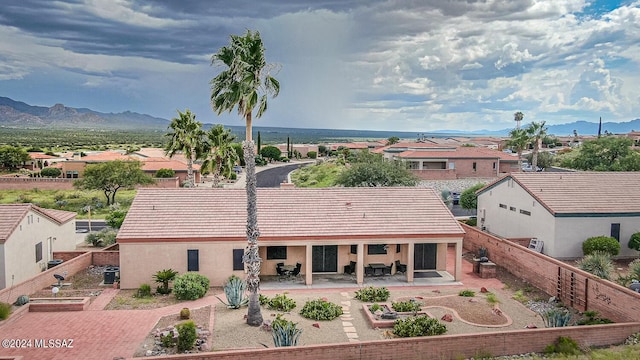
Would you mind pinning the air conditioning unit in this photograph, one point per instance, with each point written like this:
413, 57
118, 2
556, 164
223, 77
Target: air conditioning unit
535, 245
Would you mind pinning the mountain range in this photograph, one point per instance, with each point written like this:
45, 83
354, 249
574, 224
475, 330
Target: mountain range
17, 114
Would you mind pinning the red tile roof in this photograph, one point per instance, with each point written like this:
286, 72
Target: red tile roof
155, 164
106, 156
580, 192
12, 214
467, 152
334, 213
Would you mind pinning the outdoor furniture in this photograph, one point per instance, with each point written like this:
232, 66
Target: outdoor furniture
281, 271
387, 269
296, 270
378, 269
351, 268
368, 271
401, 268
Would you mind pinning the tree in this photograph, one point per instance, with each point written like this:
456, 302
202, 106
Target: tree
536, 132
608, 153
186, 137
469, 198
245, 83
545, 159
369, 169
517, 117
271, 152
51, 172
518, 140
259, 142
237, 147
13, 156
322, 150
393, 140
220, 157
115, 218
111, 176
165, 173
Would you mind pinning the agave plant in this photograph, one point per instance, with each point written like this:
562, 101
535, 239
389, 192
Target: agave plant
284, 332
234, 290
597, 263
556, 317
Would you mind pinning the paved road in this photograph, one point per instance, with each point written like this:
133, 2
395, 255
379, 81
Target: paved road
83, 225
270, 178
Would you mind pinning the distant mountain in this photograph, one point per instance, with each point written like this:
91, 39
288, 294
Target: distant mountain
21, 115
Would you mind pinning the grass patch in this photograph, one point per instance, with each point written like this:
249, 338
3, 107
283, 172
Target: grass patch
317, 176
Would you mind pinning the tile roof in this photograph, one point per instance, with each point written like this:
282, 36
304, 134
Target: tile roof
335, 213
581, 192
155, 164
460, 152
106, 156
12, 214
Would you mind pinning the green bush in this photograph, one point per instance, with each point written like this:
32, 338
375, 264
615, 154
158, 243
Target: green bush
260, 161
406, 306
492, 299
565, 346
597, 263
312, 154
165, 173
104, 237
321, 310
116, 218
372, 294
5, 310
167, 340
164, 277
634, 269
186, 335
601, 243
592, 318
281, 302
467, 293
418, 326
144, 291
51, 172
190, 286
375, 307
634, 241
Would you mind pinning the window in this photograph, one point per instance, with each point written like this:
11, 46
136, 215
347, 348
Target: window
397, 248
512, 208
503, 206
39, 251
72, 174
494, 165
276, 252
525, 212
237, 259
377, 249
193, 260
452, 166
475, 167
615, 231
354, 249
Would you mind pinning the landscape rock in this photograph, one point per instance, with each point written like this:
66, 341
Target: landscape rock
447, 318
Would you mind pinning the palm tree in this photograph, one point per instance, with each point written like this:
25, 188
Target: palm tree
245, 83
536, 132
519, 140
517, 117
220, 156
186, 138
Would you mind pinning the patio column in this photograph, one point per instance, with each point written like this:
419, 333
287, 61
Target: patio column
410, 263
308, 265
458, 271
360, 265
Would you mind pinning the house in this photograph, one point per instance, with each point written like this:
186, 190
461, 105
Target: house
562, 210
448, 162
204, 230
28, 237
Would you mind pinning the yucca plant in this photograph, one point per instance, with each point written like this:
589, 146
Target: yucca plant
597, 263
634, 269
164, 277
556, 317
234, 290
285, 332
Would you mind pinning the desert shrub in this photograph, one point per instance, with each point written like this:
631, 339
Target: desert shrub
264, 300
467, 293
285, 332
5, 310
167, 340
634, 241
270, 152
492, 299
418, 326
592, 318
321, 310
234, 290
597, 263
372, 294
186, 335
606, 244
312, 154
190, 286
634, 269
565, 346
260, 161
164, 277
116, 218
165, 173
520, 296
281, 302
556, 317
144, 291
406, 306
104, 237
185, 314
51, 172
375, 307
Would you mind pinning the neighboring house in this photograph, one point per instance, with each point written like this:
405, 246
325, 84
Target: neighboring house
204, 230
563, 209
447, 162
40, 161
28, 237
303, 149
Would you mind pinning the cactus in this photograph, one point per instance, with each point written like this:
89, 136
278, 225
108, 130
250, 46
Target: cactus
22, 300
185, 314
285, 333
556, 318
234, 290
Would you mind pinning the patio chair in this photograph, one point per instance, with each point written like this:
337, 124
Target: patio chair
401, 268
368, 271
296, 271
282, 273
387, 270
351, 268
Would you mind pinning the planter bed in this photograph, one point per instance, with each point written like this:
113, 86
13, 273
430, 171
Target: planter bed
379, 322
59, 304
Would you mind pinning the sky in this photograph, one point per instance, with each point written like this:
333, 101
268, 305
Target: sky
342, 64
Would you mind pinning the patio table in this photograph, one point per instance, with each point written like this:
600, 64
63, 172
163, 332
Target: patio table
378, 268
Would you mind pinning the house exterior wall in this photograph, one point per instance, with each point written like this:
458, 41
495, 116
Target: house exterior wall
572, 232
484, 167
509, 222
20, 248
508, 167
73, 166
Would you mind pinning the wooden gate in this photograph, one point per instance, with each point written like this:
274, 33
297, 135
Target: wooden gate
572, 289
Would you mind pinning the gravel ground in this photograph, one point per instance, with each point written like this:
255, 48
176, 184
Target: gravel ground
458, 185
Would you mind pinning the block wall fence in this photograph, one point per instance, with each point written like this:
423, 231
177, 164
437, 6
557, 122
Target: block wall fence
20, 183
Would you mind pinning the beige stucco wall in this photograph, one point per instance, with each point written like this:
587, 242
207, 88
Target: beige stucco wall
572, 232
19, 254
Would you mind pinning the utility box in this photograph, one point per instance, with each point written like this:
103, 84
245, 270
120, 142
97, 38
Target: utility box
110, 274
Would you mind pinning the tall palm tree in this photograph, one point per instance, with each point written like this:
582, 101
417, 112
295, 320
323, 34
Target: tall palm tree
519, 140
186, 137
219, 155
536, 132
244, 83
517, 117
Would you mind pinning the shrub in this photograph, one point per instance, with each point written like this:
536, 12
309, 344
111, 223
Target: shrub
418, 326
285, 332
592, 318
144, 291
5, 310
375, 307
634, 269
165, 173
185, 314
312, 154
186, 335
321, 310
260, 161
167, 340
234, 290
601, 243
281, 303
556, 317
467, 293
372, 294
634, 241
116, 218
264, 300
190, 286
406, 306
164, 277
104, 237
270, 152
564, 345
492, 299
597, 263
520, 296
51, 172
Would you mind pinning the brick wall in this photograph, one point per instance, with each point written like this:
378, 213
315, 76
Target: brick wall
574, 287
13, 183
67, 255
443, 174
102, 258
435, 347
